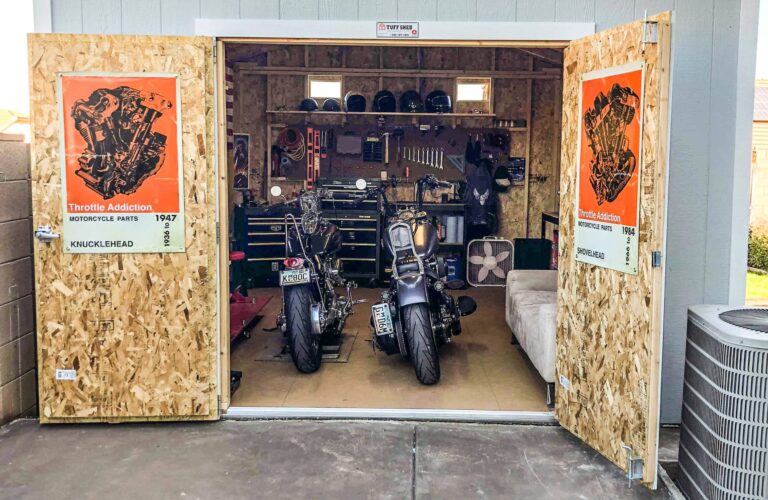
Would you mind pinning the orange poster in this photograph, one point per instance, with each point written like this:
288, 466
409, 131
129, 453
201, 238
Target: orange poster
121, 162
610, 132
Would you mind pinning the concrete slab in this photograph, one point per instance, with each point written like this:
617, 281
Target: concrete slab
494, 461
302, 459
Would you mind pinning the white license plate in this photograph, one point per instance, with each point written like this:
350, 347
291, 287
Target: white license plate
294, 276
382, 319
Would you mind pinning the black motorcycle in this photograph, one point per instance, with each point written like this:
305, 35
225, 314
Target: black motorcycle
313, 314
416, 314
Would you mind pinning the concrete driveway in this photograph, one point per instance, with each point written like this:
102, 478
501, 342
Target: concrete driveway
303, 459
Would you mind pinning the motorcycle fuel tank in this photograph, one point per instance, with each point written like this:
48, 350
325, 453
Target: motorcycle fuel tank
326, 240
424, 240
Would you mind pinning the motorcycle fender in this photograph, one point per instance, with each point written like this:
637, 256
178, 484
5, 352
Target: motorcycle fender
411, 290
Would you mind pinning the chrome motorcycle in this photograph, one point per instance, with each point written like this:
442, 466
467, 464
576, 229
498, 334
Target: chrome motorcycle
313, 313
416, 314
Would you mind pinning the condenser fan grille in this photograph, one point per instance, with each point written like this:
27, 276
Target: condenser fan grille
488, 261
754, 319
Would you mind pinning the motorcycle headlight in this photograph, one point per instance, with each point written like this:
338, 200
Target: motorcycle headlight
309, 223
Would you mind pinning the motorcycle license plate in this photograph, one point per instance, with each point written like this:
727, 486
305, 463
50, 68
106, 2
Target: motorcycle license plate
294, 276
382, 319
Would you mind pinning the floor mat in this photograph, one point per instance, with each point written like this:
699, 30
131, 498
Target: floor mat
270, 346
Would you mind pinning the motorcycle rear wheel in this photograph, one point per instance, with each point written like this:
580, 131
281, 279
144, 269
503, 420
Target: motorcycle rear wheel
421, 343
306, 352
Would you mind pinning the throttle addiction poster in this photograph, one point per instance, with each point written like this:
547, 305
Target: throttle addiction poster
121, 162
608, 178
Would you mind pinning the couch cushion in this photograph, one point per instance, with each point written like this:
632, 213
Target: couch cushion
538, 324
520, 298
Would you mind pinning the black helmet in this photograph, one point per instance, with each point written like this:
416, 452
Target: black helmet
410, 102
438, 101
331, 105
354, 101
308, 104
384, 102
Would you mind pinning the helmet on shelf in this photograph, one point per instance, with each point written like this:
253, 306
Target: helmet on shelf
308, 104
331, 104
384, 102
438, 101
354, 101
410, 102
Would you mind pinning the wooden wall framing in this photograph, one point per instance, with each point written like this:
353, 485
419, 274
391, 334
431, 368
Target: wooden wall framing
608, 332
140, 329
527, 84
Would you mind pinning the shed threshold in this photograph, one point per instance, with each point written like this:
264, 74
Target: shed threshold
507, 417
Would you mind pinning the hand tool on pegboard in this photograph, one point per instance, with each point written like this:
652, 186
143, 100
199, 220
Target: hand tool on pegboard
399, 133
323, 144
386, 147
317, 154
310, 157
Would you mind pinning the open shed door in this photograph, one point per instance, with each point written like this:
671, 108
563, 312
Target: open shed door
613, 191
124, 176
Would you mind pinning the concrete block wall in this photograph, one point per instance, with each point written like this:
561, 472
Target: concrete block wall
18, 382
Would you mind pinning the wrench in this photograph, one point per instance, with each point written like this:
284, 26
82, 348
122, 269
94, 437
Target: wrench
441, 158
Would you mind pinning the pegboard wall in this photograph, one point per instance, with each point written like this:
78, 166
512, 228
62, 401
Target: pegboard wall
271, 80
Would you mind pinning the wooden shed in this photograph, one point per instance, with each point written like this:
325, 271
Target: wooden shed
144, 335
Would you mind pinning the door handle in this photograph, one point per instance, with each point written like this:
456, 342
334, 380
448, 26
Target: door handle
45, 234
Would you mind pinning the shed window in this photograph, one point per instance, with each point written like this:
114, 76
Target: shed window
473, 89
324, 86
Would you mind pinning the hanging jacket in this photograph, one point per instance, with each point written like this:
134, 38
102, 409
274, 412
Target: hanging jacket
481, 200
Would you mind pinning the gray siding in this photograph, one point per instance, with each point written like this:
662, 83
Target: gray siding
707, 203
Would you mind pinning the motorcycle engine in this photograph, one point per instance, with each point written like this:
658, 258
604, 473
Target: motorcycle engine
121, 150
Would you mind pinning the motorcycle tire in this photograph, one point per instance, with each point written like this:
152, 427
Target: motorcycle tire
421, 343
306, 352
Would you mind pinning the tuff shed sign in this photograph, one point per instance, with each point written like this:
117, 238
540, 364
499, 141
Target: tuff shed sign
397, 30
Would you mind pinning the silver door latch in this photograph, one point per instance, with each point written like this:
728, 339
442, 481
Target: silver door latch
45, 234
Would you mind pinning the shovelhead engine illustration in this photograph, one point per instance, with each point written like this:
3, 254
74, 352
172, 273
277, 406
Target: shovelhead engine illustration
121, 150
613, 162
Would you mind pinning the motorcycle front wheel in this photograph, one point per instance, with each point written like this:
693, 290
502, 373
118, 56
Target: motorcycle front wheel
421, 343
305, 347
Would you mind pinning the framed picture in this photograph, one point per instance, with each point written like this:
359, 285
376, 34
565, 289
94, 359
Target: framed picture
121, 162
241, 156
610, 154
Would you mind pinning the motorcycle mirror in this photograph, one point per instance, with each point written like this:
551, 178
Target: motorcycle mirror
275, 191
361, 184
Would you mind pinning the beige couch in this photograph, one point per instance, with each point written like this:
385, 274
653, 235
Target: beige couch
531, 308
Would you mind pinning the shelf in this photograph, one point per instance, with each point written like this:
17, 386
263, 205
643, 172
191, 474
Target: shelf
375, 113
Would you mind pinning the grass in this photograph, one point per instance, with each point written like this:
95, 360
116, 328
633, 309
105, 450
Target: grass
757, 286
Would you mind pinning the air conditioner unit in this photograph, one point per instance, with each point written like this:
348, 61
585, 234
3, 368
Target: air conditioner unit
724, 434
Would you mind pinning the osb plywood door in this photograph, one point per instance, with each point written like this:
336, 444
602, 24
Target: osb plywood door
608, 322
139, 329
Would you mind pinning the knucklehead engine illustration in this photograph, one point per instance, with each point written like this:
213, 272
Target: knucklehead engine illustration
121, 150
613, 162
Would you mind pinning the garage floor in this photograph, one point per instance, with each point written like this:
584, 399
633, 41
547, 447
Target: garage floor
481, 369
304, 459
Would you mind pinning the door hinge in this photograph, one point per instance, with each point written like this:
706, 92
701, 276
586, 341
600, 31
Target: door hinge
218, 232
656, 258
634, 465
650, 31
